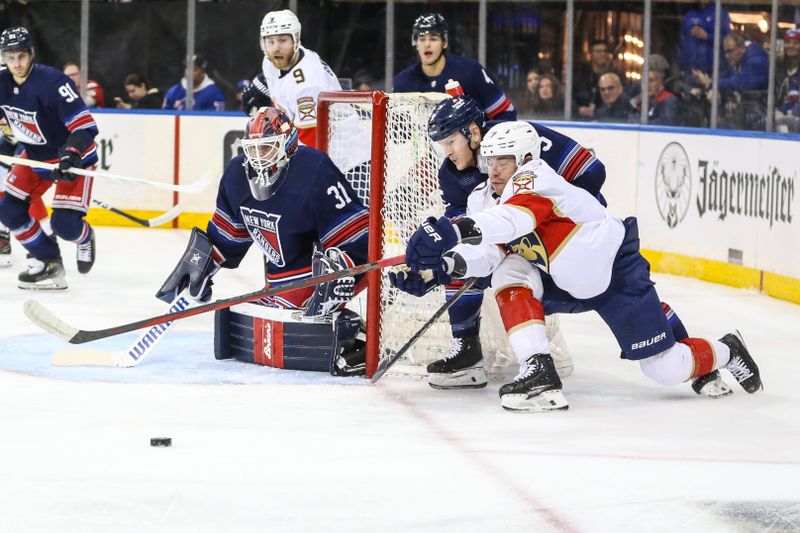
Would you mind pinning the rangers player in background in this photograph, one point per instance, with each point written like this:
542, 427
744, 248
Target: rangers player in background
49, 118
295, 205
295, 75
435, 67
458, 125
554, 227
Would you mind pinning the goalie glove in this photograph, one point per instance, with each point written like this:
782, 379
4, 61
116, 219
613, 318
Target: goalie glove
333, 295
199, 262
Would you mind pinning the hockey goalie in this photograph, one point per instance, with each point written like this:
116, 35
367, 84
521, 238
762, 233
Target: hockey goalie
296, 206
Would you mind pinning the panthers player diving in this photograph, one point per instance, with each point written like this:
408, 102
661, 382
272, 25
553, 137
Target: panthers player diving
458, 126
528, 221
296, 206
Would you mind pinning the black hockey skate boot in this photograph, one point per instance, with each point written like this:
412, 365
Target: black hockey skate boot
742, 365
45, 275
711, 385
5, 247
86, 254
537, 387
461, 368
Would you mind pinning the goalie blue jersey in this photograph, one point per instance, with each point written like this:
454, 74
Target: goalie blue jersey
569, 159
44, 111
475, 80
314, 202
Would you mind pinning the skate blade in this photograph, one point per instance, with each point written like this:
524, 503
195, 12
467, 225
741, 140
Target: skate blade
58, 286
471, 378
83, 358
552, 400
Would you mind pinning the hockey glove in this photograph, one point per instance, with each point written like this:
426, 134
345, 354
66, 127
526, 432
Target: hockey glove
256, 95
427, 245
330, 296
199, 262
69, 156
412, 283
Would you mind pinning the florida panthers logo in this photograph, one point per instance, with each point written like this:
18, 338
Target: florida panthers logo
24, 125
263, 228
532, 248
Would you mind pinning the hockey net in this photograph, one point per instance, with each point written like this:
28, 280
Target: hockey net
380, 142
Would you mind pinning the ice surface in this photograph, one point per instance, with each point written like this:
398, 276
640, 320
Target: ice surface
258, 449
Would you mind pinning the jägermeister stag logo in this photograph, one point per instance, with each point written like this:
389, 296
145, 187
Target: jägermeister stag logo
673, 184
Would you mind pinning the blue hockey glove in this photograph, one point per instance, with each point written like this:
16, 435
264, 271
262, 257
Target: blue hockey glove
68, 157
256, 95
195, 269
412, 283
427, 245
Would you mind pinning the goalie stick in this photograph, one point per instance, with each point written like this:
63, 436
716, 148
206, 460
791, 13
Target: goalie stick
48, 321
389, 362
135, 353
195, 187
149, 222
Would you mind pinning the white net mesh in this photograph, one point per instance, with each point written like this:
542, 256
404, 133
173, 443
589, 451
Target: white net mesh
411, 194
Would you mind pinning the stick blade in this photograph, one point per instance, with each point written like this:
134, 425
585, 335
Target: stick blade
166, 216
83, 358
45, 319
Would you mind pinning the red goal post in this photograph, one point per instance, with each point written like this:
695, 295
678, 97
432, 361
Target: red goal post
380, 143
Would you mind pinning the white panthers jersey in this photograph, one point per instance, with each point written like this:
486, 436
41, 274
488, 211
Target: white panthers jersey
296, 91
558, 227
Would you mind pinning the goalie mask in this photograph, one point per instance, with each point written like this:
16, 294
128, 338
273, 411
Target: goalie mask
268, 144
510, 138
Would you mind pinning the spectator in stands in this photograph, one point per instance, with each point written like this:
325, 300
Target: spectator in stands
141, 95
787, 115
664, 107
362, 81
586, 95
789, 64
615, 106
241, 85
743, 84
549, 101
529, 95
697, 37
95, 96
207, 95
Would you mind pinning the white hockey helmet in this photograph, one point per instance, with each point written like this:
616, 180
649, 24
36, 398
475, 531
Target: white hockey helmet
282, 22
510, 138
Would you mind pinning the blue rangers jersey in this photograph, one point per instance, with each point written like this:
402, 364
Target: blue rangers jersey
476, 82
313, 203
570, 160
44, 111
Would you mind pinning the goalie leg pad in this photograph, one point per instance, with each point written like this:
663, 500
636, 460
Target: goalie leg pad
283, 338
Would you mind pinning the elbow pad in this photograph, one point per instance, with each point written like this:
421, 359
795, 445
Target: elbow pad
468, 232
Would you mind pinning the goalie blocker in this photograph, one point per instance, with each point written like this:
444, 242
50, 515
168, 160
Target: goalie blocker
284, 338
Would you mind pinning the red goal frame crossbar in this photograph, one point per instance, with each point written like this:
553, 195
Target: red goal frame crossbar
378, 101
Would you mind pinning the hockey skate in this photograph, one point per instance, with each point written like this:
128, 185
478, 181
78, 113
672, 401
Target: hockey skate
5, 248
711, 385
86, 254
537, 387
462, 367
742, 365
562, 357
43, 276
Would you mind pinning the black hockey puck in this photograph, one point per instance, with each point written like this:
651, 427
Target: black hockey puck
161, 441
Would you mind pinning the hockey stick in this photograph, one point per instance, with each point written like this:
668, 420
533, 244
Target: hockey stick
149, 222
386, 364
48, 321
135, 353
195, 187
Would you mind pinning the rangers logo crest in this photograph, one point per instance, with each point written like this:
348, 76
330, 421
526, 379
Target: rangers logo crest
24, 125
263, 228
523, 183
